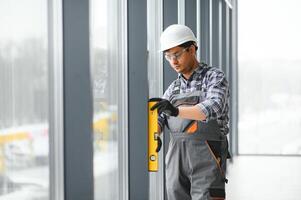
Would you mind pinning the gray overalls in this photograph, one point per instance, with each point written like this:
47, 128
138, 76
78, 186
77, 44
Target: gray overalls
195, 161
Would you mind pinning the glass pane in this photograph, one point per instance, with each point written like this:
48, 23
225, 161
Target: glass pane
105, 72
24, 169
269, 77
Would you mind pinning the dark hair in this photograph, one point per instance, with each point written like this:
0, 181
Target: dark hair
188, 44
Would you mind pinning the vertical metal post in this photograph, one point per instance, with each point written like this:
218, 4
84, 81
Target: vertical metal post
234, 78
181, 12
56, 101
190, 15
155, 82
78, 107
198, 27
137, 99
123, 141
220, 33
210, 32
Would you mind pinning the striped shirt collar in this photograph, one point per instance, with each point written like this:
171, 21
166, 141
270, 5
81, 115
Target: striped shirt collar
197, 70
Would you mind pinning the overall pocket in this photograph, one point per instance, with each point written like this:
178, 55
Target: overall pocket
216, 151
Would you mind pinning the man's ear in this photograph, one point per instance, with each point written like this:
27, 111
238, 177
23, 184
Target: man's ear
192, 49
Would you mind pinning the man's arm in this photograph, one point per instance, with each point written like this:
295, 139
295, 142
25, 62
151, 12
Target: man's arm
214, 103
191, 112
210, 108
216, 96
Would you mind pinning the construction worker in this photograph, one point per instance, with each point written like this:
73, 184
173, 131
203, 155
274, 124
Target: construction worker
195, 109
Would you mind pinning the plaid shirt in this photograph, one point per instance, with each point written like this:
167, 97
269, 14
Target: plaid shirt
216, 91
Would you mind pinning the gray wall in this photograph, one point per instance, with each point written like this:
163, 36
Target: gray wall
138, 97
77, 101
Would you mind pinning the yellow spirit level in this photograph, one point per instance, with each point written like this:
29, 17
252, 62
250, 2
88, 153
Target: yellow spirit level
153, 137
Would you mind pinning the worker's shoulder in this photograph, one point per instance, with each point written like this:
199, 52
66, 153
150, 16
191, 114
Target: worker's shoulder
213, 71
175, 81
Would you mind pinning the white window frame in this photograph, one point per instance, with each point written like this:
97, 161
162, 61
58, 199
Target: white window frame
56, 106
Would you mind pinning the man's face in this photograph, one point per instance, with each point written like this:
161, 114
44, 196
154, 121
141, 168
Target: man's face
180, 59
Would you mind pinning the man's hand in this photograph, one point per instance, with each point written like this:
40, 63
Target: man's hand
164, 106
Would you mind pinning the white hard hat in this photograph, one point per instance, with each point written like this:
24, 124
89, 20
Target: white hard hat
175, 35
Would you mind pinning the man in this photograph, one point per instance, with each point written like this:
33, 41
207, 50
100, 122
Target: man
195, 109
